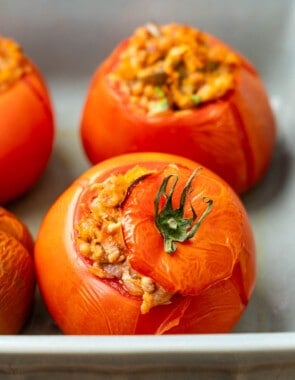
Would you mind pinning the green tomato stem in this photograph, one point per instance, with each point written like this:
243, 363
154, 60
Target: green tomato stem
171, 223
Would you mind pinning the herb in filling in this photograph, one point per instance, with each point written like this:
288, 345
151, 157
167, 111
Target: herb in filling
173, 67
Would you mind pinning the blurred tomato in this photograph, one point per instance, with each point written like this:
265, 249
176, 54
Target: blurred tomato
146, 244
26, 122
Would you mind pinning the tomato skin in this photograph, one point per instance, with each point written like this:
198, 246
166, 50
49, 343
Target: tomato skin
206, 256
12, 225
81, 303
233, 136
26, 134
17, 274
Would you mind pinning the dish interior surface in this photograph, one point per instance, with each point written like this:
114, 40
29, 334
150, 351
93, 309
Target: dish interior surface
68, 41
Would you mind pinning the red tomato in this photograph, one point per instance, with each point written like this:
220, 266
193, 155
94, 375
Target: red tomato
17, 275
233, 135
26, 126
177, 228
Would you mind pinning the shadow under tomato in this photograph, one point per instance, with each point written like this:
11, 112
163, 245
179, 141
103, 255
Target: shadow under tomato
261, 316
275, 180
40, 322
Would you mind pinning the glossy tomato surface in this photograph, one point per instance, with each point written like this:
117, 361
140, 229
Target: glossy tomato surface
17, 273
233, 136
211, 275
26, 131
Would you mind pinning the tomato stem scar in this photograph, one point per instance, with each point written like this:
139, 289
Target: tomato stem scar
171, 223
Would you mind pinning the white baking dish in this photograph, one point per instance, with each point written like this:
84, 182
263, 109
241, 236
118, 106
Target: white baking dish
67, 39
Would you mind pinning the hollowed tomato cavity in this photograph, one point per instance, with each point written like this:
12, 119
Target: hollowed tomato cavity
117, 233
13, 63
173, 67
99, 238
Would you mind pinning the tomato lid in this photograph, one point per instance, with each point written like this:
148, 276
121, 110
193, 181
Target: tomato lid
212, 248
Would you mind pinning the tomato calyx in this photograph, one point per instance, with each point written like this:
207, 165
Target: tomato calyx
13, 63
171, 223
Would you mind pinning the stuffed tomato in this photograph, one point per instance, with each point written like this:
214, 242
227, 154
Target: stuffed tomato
26, 122
146, 244
178, 90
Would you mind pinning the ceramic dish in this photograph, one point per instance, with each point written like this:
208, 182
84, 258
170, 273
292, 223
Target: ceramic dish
67, 40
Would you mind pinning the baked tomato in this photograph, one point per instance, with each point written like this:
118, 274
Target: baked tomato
17, 274
178, 90
146, 243
26, 122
